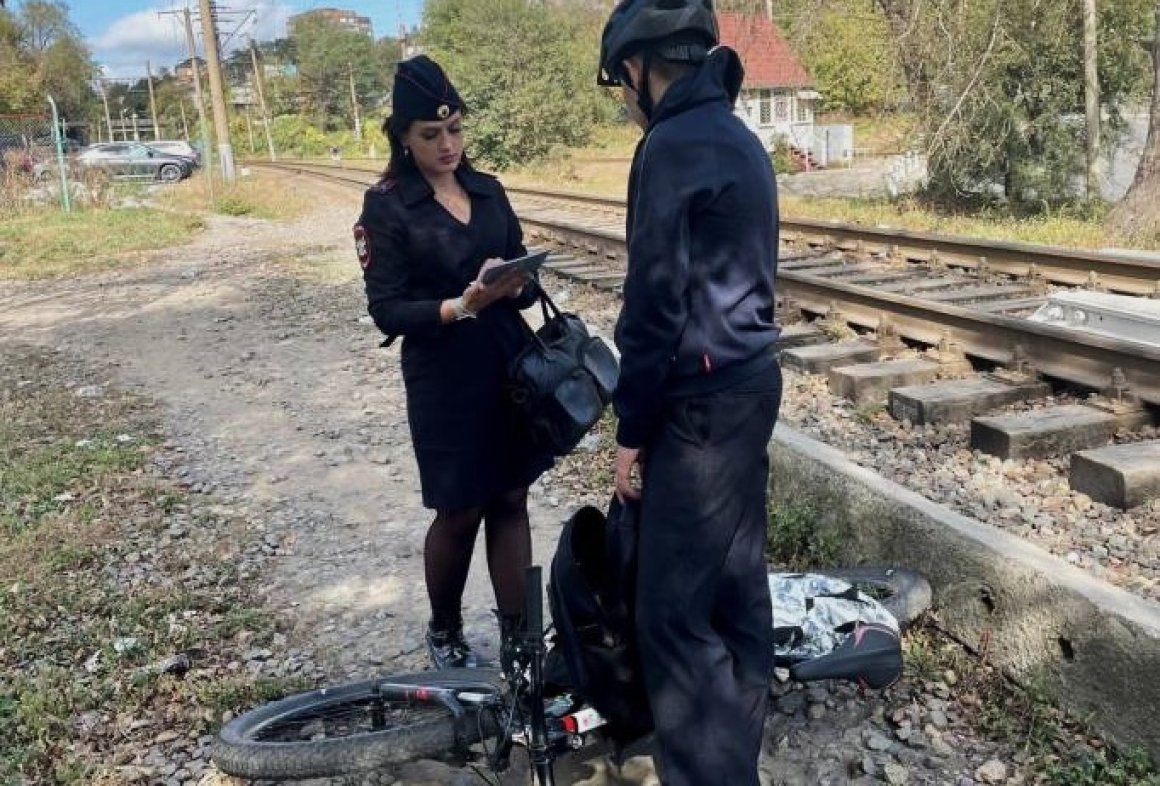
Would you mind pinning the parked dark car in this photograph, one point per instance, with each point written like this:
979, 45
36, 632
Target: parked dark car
177, 147
134, 161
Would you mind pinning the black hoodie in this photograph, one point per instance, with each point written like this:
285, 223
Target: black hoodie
702, 251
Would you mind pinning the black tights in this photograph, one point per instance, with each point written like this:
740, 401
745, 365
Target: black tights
451, 541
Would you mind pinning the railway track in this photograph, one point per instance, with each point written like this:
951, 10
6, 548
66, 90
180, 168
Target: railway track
961, 295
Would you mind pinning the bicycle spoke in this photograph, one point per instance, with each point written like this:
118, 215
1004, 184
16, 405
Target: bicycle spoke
350, 719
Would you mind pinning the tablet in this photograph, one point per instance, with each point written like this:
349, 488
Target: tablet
529, 264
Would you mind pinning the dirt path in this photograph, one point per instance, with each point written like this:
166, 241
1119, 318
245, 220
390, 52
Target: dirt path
254, 340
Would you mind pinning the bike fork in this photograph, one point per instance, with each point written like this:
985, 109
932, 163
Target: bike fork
538, 753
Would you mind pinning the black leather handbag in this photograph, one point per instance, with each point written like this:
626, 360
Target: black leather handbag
562, 380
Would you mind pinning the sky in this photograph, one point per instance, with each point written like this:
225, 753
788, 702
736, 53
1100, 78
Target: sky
124, 34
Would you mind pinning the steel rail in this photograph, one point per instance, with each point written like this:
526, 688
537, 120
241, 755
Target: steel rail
1072, 267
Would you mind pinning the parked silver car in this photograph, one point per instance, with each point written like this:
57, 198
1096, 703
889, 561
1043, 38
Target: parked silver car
135, 161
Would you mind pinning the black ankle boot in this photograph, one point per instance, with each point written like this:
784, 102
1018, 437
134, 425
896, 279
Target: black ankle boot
448, 649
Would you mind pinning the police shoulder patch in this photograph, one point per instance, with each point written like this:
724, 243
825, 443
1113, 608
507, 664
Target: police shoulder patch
362, 246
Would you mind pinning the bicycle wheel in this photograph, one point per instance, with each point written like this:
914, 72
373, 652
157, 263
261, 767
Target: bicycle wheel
358, 727
904, 593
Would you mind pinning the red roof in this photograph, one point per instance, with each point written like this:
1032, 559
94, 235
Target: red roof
768, 59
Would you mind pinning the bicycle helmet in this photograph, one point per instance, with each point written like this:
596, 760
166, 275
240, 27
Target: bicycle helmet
677, 30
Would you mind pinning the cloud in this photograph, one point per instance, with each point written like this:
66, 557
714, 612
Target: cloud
129, 41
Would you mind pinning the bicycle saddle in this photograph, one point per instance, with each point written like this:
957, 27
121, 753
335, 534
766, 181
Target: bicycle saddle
870, 656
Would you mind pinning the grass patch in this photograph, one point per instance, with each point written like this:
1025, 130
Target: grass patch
1058, 748
1076, 228
47, 243
261, 195
108, 572
879, 135
796, 540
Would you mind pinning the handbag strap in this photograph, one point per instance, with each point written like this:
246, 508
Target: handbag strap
547, 307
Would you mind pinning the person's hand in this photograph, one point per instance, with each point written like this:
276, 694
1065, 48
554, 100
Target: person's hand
479, 296
626, 459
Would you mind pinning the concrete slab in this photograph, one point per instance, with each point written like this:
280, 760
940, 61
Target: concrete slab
1123, 476
841, 271
1043, 433
806, 259
959, 399
575, 265
866, 382
1095, 648
883, 277
801, 335
963, 294
599, 277
821, 358
924, 284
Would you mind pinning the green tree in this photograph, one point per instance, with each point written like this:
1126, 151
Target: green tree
999, 86
41, 52
846, 45
526, 71
327, 54
1139, 213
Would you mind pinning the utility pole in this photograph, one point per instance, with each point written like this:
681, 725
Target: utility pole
1091, 95
217, 88
184, 122
258, 86
354, 104
108, 117
152, 102
191, 44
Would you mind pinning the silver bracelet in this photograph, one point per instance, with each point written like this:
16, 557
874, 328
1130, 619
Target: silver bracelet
459, 309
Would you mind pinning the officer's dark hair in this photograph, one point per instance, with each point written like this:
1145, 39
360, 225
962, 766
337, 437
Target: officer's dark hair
400, 163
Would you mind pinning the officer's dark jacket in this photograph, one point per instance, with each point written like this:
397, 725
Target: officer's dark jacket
415, 255
702, 250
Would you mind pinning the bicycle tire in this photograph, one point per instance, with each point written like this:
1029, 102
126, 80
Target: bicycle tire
243, 748
907, 594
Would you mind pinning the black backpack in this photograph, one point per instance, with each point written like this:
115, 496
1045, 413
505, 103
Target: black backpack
591, 592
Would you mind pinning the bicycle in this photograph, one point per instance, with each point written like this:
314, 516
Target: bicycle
482, 714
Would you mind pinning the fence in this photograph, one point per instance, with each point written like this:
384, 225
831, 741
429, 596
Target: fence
31, 160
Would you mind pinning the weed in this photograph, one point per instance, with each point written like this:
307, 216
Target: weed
234, 205
234, 694
869, 411
796, 540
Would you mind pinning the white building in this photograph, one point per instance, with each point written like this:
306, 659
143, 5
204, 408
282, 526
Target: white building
777, 98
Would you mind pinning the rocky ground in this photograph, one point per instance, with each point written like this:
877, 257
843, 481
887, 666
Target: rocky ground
286, 422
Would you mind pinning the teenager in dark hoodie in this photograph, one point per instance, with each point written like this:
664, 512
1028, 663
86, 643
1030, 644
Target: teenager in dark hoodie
699, 386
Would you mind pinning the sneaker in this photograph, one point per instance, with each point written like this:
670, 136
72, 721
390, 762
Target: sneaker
449, 650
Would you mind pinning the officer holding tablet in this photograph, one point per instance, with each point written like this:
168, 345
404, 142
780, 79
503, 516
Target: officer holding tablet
425, 233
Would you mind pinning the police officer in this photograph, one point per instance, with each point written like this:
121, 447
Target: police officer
425, 231
699, 387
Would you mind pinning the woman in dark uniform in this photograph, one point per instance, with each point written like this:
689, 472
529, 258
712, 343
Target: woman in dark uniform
426, 229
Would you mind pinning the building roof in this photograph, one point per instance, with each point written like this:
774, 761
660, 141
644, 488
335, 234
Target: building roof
768, 59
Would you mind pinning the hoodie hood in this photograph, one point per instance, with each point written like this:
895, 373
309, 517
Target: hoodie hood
719, 78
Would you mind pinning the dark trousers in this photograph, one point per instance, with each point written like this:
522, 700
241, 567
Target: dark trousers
704, 613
